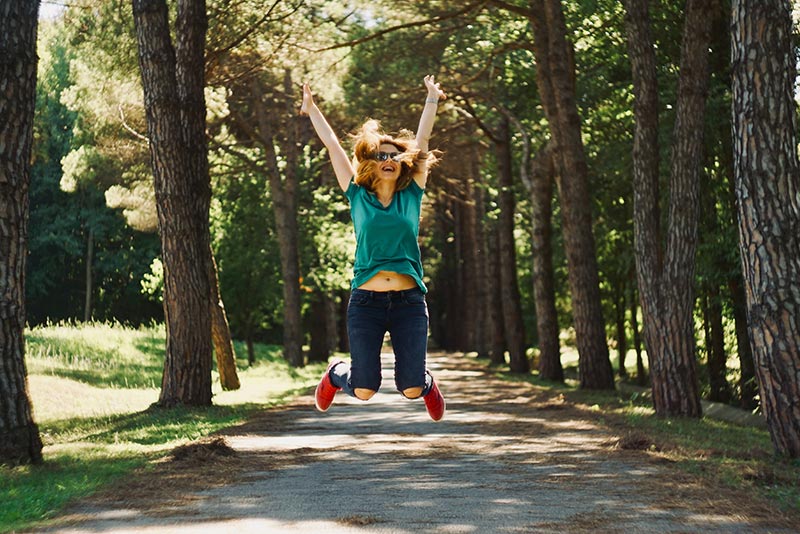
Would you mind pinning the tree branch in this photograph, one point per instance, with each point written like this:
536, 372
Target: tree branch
440, 18
525, 12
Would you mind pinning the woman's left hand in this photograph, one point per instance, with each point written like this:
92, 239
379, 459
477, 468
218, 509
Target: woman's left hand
434, 91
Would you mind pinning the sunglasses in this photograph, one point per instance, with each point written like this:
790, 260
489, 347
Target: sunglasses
383, 156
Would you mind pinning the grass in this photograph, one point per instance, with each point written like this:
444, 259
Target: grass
722, 453
93, 386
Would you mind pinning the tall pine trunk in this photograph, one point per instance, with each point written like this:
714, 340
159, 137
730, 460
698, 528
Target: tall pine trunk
541, 187
173, 82
20, 442
513, 326
666, 277
715, 347
283, 185
497, 353
555, 80
767, 175
484, 283
221, 335
87, 305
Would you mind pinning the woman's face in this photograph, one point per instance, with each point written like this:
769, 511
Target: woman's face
388, 169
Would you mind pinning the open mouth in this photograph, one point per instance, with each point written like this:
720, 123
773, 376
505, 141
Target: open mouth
387, 168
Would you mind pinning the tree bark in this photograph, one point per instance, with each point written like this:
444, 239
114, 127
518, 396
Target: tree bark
513, 326
622, 338
715, 348
20, 442
341, 321
319, 344
641, 373
473, 287
283, 187
497, 354
484, 283
555, 81
173, 82
748, 385
221, 335
87, 308
544, 292
665, 279
767, 175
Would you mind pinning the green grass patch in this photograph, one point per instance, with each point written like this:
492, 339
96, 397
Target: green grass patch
93, 386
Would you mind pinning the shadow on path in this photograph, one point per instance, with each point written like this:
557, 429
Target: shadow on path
508, 457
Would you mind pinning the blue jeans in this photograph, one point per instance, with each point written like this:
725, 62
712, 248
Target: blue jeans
370, 314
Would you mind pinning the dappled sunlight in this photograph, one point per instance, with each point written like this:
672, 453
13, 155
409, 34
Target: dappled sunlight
56, 398
507, 457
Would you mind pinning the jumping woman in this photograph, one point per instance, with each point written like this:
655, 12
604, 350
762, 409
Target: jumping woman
384, 184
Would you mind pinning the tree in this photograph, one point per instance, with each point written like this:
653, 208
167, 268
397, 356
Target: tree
19, 435
173, 82
555, 72
666, 278
540, 187
767, 176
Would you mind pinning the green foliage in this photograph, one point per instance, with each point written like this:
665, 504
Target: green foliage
246, 249
62, 224
91, 119
329, 253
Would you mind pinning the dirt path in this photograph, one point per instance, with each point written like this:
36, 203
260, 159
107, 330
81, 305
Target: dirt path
507, 457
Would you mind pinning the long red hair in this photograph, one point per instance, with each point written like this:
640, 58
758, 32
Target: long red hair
368, 141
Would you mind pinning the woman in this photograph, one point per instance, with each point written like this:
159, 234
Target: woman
384, 184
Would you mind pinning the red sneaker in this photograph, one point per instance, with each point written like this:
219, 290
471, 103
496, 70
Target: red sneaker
434, 402
323, 396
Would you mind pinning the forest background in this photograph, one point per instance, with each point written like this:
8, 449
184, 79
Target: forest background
94, 252
535, 251
496, 240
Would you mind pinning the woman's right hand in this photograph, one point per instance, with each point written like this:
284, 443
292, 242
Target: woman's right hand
308, 100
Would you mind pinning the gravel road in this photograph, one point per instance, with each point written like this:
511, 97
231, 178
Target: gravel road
508, 457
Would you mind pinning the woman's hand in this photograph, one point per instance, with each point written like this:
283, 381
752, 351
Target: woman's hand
308, 100
433, 88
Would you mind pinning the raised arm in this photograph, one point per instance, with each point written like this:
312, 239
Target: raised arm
342, 166
426, 127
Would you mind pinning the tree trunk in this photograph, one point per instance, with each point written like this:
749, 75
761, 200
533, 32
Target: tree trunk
513, 326
484, 283
715, 348
641, 373
544, 292
221, 335
497, 354
283, 190
87, 308
173, 82
622, 338
465, 276
20, 442
666, 281
748, 386
767, 175
555, 81
251, 351
319, 350
473, 287
341, 321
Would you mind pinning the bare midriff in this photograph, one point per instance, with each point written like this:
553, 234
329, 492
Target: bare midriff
389, 281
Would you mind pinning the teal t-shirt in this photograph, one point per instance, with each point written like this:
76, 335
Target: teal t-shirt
386, 237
